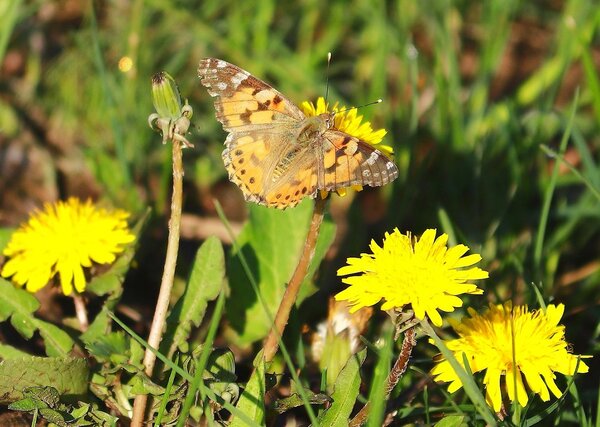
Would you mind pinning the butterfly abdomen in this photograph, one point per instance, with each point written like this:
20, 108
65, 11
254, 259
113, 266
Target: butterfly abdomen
283, 165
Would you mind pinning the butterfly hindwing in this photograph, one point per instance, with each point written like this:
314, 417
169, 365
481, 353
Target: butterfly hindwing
254, 162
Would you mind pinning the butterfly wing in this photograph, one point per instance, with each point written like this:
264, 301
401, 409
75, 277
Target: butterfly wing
261, 143
243, 102
347, 161
268, 169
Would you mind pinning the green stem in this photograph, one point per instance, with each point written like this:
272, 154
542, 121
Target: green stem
162, 304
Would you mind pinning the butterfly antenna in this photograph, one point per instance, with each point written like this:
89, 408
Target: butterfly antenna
327, 77
379, 101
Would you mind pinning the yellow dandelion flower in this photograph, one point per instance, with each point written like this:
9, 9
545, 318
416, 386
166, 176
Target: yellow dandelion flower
421, 272
347, 120
525, 347
64, 238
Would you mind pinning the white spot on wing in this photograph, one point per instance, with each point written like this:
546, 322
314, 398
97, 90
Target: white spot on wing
238, 78
221, 64
372, 158
222, 85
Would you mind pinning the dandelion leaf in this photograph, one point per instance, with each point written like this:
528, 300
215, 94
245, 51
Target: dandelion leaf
19, 305
206, 281
111, 281
252, 400
345, 393
68, 375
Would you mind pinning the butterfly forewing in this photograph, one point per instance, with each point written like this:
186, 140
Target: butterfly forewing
350, 161
242, 101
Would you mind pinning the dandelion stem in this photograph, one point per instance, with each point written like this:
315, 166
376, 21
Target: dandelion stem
291, 292
162, 304
393, 377
81, 311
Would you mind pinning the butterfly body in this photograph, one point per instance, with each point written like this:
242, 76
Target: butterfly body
274, 152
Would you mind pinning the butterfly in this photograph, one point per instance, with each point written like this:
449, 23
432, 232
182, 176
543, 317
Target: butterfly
275, 153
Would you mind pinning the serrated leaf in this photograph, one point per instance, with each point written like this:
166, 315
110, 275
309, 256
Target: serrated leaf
271, 242
19, 305
69, 376
205, 282
111, 281
252, 400
100, 326
345, 393
108, 283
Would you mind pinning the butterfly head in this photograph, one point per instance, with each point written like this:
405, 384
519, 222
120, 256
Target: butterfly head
312, 128
328, 119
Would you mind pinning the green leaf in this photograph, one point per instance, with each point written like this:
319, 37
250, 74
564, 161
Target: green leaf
295, 400
19, 305
141, 384
345, 392
252, 401
205, 282
271, 243
220, 365
111, 281
9, 352
69, 376
113, 347
47, 394
57, 417
26, 405
453, 421
81, 411
377, 395
98, 328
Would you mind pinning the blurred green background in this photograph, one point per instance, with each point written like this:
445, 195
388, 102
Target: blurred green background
472, 93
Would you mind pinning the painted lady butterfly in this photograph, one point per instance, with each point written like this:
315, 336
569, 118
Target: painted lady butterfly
274, 152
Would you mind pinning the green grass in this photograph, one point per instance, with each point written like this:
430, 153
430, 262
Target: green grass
493, 109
